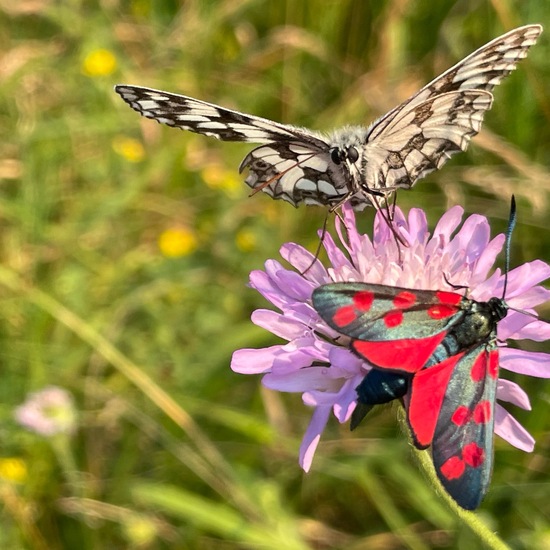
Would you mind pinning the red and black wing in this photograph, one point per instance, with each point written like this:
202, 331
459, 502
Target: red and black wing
452, 408
391, 327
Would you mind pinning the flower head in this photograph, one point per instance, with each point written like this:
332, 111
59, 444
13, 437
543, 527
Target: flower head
99, 62
48, 412
326, 373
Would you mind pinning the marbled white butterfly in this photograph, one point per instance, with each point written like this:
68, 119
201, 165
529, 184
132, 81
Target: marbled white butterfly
354, 163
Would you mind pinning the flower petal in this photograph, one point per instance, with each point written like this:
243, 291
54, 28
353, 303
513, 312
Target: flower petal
254, 361
279, 324
312, 436
530, 363
322, 379
305, 263
507, 427
510, 392
447, 224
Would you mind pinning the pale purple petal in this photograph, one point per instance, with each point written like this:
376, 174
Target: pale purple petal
448, 224
336, 257
530, 298
254, 361
293, 284
302, 260
324, 379
511, 393
347, 233
538, 331
507, 427
312, 436
530, 363
261, 282
278, 323
347, 400
523, 277
347, 361
417, 230
487, 258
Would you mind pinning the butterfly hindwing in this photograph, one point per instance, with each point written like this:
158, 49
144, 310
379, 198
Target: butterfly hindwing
296, 174
392, 327
424, 137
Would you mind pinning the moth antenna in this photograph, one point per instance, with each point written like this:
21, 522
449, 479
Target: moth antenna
511, 225
455, 287
528, 313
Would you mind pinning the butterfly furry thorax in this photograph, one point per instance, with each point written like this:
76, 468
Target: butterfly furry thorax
358, 164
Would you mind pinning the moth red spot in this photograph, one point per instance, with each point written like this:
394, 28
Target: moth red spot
493, 364
426, 397
448, 298
363, 299
453, 468
393, 319
441, 311
407, 355
404, 300
473, 455
482, 412
479, 368
344, 316
461, 415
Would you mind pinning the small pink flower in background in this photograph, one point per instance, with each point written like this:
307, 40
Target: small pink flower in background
327, 374
48, 412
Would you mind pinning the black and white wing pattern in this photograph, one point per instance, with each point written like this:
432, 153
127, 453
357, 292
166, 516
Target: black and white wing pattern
295, 165
355, 163
399, 166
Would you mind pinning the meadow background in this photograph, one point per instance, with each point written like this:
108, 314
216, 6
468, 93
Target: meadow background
126, 248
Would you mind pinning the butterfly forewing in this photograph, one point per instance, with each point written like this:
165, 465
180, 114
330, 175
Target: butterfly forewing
355, 163
481, 70
205, 118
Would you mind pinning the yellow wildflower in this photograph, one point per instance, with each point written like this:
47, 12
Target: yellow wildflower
99, 62
129, 148
245, 240
13, 469
177, 242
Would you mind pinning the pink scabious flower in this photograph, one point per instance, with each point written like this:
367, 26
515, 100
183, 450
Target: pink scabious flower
48, 412
327, 374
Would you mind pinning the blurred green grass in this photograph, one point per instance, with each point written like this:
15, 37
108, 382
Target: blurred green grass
174, 450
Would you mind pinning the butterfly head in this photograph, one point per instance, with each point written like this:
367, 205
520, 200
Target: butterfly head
341, 154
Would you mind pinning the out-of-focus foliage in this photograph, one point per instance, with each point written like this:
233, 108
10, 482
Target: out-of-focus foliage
126, 248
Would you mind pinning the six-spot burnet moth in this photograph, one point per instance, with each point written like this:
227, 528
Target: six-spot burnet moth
438, 351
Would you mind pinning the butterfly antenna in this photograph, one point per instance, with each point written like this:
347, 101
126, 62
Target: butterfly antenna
511, 225
391, 211
321, 239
